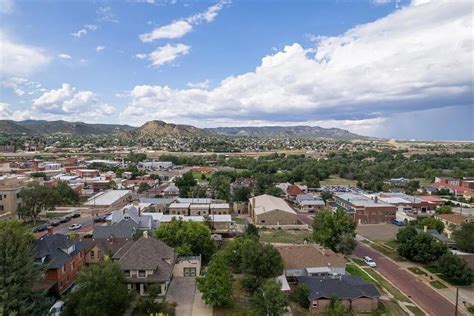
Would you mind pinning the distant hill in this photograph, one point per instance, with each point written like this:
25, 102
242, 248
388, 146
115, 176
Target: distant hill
63, 127
162, 129
303, 132
157, 128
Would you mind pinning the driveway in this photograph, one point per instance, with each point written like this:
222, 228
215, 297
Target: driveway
427, 298
181, 291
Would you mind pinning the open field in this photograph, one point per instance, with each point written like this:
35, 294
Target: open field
378, 232
336, 180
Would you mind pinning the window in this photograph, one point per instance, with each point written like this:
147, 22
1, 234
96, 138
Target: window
72, 264
127, 273
63, 268
141, 273
92, 254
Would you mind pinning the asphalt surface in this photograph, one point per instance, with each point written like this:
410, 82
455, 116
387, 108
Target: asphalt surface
305, 218
181, 291
428, 299
86, 220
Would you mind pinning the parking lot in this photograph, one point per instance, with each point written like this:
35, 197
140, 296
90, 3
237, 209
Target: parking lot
378, 232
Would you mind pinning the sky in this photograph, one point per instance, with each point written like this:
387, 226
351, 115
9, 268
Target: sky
391, 69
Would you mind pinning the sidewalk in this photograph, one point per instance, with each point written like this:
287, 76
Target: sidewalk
199, 307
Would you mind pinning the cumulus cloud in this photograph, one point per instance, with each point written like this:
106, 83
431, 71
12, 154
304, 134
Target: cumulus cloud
99, 48
21, 86
7, 113
165, 54
18, 59
64, 56
417, 58
67, 101
200, 85
179, 28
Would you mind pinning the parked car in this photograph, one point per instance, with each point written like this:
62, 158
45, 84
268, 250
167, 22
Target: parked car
397, 222
100, 219
40, 228
54, 223
56, 309
75, 226
76, 215
371, 263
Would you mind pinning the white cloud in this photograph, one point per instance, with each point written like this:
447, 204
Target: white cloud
417, 58
176, 29
68, 102
105, 14
200, 85
64, 56
6, 113
179, 28
6, 6
91, 27
19, 59
165, 54
99, 48
79, 33
85, 30
21, 86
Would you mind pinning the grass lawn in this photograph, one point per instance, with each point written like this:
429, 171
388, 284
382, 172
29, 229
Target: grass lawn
417, 270
433, 269
198, 175
392, 243
388, 251
354, 269
415, 310
335, 180
284, 236
386, 285
437, 284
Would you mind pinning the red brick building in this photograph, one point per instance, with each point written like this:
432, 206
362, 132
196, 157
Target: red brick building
64, 259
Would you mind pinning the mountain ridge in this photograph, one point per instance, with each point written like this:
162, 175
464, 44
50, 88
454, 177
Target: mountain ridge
157, 128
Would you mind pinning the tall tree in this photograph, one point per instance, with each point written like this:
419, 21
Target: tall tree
185, 183
455, 269
269, 300
431, 223
261, 261
189, 238
18, 272
220, 186
100, 291
35, 199
334, 230
419, 247
464, 237
216, 284
242, 194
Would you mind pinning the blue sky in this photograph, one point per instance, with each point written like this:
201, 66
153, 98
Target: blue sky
378, 68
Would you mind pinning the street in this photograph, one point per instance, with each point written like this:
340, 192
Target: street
428, 299
86, 220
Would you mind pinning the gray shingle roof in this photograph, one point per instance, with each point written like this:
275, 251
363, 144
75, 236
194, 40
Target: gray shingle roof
343, 287
147, 254
54, 249
123, 229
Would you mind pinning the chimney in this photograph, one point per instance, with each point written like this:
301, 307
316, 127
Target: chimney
145, 234
425, 229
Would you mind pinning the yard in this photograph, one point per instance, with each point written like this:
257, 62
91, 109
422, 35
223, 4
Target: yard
336, 180
201, 175
285, 236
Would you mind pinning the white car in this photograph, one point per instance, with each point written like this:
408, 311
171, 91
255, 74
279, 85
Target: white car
56, 309
371, 263
75, 226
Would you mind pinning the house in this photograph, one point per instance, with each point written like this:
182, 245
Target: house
270, 210
240, 183
179, 208
110, 199
309, 203
145, 262
293, 191
436, 235
134, 213
310, 260
171, 190
198, 209
124, 229
220, 208
353, 292
187, 266
104, 247
159, 205
365, 210
63, 258
453, 221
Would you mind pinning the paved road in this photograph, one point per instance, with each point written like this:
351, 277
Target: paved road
432, 302
86, 220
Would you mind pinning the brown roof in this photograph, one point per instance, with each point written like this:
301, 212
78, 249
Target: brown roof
294, 190
308, 256
455, 218
147, 253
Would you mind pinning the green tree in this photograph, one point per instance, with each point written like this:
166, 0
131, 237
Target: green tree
464, 237
334, 230
419, 247
185, 183
143, 187
216, 284
431, 223
301, 295
135, 157
18, 272
445, 209
455, 269
252, 231
274, 191
66, 195
326, 195
269, 300
261, 261
35, 199
232, 252
100, 290
336, 308
197, 191
242, 194
220, 186
188, 238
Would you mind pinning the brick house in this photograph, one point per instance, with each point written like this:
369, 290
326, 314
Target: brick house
353, 292
63, 257
365, 210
